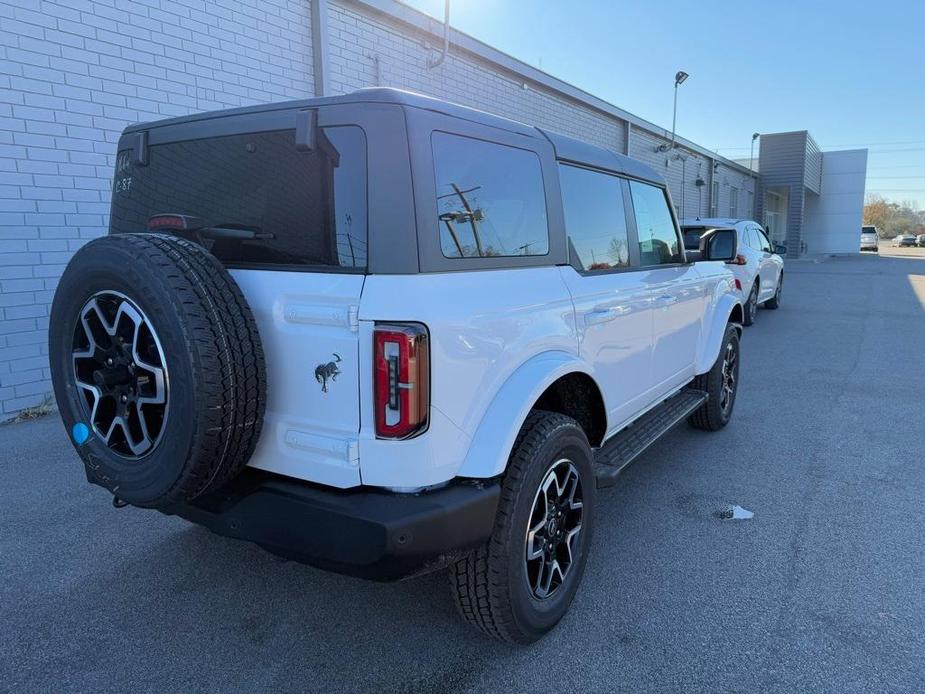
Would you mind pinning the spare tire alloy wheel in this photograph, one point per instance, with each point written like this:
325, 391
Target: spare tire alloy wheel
120, 370
158, 368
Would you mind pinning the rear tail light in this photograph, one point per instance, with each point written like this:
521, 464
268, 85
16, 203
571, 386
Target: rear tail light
738, 284
401, 375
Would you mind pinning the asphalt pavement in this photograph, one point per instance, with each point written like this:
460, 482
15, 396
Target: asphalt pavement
822, 590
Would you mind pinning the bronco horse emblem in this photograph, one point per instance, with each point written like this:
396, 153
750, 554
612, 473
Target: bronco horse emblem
329, 371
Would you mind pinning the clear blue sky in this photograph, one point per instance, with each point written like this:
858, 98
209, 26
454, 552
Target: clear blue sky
852, 73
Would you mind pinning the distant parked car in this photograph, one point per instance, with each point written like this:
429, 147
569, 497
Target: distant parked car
870, 239
904, 240
758, 267
920, 240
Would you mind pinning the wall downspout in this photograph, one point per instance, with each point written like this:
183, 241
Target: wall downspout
320, 62
434, 62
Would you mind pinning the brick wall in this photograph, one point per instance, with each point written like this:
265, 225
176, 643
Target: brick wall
73, 74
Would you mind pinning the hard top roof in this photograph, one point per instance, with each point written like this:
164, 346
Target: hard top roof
566, 148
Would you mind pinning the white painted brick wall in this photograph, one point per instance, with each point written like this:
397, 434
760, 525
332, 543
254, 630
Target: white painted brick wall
357, 41
73, 74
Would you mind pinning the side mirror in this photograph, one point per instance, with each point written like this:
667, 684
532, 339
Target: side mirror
780, 249
719, 244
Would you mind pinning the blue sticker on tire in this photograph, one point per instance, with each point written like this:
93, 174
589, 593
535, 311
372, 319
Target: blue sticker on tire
80, 432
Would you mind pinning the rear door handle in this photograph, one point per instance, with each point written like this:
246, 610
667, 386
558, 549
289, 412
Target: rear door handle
605, 315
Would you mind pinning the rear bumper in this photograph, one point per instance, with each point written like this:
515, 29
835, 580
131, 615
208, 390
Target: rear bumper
363, 532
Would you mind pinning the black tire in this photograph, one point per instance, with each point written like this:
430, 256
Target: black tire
492, 586
751, 306
715, 413
213, 378
774, 302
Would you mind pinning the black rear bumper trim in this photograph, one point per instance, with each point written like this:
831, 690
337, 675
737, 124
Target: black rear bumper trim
362, 532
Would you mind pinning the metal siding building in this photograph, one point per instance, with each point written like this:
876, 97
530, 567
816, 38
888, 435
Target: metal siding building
804, 190
76, 72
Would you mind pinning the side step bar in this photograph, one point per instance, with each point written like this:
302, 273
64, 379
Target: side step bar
611, 459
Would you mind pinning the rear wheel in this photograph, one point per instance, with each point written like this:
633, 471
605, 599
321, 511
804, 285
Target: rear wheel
721, 384
521, 582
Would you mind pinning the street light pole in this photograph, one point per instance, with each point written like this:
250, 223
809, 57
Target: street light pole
751, 156
679, 78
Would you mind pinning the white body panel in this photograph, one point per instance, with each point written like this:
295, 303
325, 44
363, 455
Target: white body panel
498, 338
483, 325
305, 319
614, 321
678, 308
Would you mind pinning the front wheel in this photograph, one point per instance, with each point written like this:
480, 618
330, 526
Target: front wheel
721, 384
519, 585
751, 306
774, 301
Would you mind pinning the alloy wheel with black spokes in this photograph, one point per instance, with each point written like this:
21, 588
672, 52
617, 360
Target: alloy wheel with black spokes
720, 383
730, 375
553, 530
519, 584
158, 368
121, 373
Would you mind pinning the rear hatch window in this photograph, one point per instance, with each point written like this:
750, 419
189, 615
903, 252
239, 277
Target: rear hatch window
254, 200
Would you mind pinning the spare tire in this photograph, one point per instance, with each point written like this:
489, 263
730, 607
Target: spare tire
157, 367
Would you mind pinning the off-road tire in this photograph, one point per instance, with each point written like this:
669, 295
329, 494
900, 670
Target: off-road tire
490, 585
214, 359
774, 302
712, 415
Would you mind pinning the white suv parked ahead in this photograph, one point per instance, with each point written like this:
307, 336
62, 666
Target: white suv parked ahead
758, 266
384, 334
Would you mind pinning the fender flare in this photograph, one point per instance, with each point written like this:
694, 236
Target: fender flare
715, 331
494, 438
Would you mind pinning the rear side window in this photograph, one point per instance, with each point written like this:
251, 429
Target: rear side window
294, 208
658, 237
595, 219
490, 199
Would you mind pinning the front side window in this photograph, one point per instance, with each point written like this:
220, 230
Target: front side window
658, 238
255, 199
595, 219
490, 199
763, 240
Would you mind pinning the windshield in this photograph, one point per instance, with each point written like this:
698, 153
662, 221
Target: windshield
302, 208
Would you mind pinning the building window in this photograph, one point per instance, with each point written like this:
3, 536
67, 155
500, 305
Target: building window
714, 199
733, 202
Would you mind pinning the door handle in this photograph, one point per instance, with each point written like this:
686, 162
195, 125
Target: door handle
666, 300
605, 315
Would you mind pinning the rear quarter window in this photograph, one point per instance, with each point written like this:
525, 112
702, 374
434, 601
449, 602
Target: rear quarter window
490, 199
306, 209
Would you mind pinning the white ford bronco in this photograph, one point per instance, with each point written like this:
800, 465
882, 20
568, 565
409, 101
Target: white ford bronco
383, 334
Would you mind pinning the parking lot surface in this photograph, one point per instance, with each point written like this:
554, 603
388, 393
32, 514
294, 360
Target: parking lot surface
823, 589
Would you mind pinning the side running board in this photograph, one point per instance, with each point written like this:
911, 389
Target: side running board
623, 448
